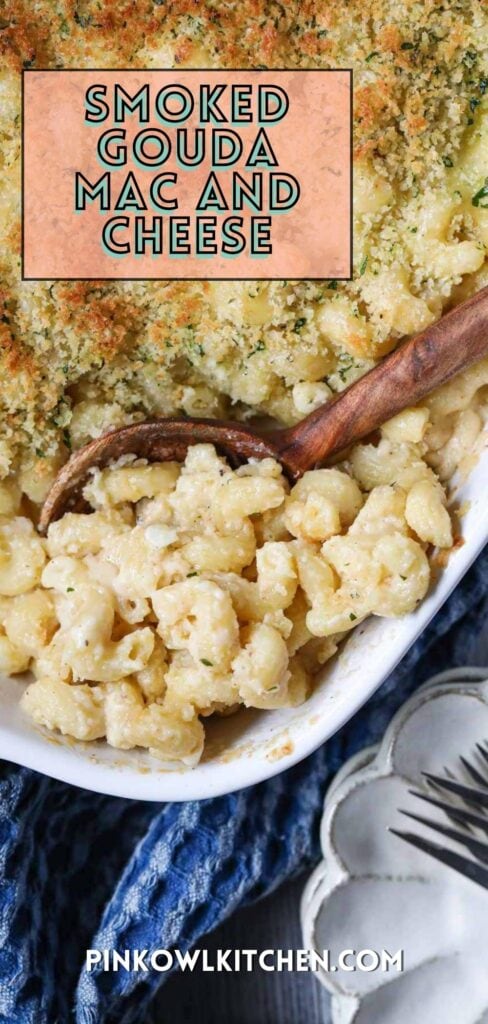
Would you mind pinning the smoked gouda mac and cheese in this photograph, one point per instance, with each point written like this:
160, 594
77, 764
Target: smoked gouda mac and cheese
196, 589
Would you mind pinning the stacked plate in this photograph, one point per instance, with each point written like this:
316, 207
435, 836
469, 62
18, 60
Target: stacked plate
372, 891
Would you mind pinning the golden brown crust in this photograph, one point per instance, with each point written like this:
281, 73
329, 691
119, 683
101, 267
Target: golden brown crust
418, 68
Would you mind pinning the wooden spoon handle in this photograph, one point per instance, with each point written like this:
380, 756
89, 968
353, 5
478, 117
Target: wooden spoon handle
402, 379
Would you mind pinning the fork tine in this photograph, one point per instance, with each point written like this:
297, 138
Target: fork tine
482, 750
473, 796
477, 848
475, 775
465, 866
458, 813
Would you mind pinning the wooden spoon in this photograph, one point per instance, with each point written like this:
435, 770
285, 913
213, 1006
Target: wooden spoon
402, 379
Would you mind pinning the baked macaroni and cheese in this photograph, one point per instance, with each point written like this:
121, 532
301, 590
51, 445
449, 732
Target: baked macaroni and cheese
196, 589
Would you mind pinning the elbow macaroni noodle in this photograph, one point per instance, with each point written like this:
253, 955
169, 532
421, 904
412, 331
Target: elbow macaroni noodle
195, 589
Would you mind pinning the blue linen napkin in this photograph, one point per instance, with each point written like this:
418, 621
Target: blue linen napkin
79, 870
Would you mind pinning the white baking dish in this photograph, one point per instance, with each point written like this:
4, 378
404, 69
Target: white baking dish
252, 746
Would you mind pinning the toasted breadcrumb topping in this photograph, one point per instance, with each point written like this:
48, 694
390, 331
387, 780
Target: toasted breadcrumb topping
79, 357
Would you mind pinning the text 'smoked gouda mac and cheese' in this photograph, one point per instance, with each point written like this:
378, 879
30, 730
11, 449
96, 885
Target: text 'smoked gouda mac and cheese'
218, 174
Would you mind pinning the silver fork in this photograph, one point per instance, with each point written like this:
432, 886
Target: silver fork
470, 811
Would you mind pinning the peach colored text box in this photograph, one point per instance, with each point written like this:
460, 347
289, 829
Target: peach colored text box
310, 143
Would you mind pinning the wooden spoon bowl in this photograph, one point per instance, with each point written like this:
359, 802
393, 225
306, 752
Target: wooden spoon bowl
402, 379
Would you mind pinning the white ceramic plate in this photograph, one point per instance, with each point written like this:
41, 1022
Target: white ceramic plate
372, 891
251, 746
